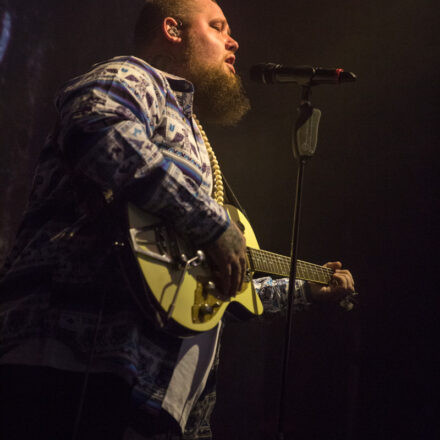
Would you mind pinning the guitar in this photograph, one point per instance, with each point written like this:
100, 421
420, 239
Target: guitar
180, 281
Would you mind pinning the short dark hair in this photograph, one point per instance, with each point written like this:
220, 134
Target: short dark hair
152, 15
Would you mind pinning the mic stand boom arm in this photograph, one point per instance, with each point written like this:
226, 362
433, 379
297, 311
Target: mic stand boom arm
304, 140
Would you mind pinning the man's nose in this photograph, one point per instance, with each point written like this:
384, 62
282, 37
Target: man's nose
231, 44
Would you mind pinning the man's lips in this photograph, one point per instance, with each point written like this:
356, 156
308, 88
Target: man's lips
230, 62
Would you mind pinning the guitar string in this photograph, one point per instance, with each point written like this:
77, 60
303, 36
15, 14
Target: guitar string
275, 258
271, 260
301, 264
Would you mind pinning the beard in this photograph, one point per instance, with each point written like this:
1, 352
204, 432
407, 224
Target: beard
219, 96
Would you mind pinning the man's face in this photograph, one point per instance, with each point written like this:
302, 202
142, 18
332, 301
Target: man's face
208, 61
209, 30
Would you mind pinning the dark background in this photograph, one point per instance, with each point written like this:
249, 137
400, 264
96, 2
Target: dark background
370, 197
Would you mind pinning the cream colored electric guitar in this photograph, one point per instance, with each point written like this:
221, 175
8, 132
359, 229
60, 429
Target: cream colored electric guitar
180, 280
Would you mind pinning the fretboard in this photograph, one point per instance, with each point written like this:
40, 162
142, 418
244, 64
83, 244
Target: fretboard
274, 264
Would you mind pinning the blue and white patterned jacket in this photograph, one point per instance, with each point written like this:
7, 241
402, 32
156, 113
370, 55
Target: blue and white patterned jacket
124, 132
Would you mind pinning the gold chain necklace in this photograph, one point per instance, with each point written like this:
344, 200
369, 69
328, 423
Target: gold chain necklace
218, 193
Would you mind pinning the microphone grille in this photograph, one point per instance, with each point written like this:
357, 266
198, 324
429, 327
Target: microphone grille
347, 77
261, 73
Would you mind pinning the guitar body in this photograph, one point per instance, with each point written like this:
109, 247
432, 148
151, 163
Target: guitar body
184, 294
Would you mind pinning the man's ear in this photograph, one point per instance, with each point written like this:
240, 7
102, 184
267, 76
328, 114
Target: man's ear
172, 30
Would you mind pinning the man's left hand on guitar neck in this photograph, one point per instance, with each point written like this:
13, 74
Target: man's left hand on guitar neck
341, 285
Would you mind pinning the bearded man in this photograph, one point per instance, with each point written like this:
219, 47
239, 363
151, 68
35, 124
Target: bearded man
79, 359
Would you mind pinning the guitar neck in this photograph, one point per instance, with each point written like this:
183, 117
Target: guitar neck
279, 265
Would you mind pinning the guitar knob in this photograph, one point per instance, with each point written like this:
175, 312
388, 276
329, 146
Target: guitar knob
210, 287
201, 257
205, 309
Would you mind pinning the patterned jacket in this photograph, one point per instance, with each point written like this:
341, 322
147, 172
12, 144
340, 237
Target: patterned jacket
124, 132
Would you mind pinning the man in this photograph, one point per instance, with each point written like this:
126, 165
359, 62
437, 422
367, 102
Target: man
79, 359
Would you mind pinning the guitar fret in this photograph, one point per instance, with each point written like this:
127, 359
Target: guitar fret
264, 261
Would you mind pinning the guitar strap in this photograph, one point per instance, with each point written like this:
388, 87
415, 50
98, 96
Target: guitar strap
231, 198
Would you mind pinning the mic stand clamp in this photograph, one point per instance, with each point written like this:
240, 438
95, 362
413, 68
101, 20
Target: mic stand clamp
304, 140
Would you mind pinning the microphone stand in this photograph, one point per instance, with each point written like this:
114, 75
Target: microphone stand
304, 140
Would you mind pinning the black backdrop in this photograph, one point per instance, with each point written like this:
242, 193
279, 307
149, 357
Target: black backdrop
370, 197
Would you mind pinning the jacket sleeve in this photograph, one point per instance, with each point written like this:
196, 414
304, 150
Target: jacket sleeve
106, 122
273, 294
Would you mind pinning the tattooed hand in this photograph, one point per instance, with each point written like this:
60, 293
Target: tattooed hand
227, 256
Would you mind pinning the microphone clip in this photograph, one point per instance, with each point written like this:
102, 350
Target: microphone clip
305, 130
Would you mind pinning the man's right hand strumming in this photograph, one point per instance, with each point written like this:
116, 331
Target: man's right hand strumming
227, 256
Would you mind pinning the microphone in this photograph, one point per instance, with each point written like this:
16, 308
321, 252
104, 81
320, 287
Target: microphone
270, 73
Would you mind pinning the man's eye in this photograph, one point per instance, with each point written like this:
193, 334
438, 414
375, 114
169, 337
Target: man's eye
218, 27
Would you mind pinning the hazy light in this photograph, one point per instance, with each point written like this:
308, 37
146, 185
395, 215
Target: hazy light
5, 34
